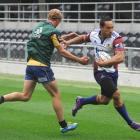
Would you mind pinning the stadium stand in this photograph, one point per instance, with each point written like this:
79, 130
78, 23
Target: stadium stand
131, 39
80, 11
12, 40
17, 51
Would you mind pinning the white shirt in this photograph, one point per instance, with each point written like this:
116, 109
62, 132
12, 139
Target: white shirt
108, 46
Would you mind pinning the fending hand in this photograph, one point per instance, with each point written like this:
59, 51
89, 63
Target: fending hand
84, 60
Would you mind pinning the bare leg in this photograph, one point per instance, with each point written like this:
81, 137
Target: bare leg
28, 89
117, 99
56, 101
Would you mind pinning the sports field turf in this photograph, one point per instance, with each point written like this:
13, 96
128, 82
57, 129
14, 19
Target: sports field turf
35, 120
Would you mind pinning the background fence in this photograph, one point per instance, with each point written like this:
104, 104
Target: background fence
17, 20
16, 51
73, 12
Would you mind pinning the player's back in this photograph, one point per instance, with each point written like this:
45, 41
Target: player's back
40, 46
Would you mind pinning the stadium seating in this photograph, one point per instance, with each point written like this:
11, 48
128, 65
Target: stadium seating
131, 39
18, 37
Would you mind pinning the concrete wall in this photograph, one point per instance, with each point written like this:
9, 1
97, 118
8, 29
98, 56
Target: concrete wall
66, 26
72, 73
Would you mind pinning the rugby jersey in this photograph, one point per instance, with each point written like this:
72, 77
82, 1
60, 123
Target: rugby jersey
109, 46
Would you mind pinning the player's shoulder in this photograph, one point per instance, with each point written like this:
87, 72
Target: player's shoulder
94, 32
37, 26
115, 34
56, 31
49, 28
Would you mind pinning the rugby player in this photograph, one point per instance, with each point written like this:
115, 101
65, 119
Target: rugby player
45, 37
106, 40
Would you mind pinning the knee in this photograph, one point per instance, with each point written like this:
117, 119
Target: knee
56, 95
116, 96
26, 97
105, 101
117, 99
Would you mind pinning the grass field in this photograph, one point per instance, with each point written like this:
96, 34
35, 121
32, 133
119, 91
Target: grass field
35, 120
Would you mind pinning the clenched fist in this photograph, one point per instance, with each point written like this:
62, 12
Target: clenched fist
84, 60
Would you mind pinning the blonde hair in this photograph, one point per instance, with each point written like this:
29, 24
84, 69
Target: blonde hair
55, 14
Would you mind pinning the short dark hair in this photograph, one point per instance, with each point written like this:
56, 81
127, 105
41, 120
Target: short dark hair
103, 20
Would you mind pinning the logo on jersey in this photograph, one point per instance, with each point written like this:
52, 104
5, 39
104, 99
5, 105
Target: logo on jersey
120, 45
109, 45
95, 41
37, 32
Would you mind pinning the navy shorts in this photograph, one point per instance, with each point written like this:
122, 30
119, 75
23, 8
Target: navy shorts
107, 81
40, 74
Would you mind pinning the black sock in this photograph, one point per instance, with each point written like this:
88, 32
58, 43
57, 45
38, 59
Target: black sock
63, 124
1, 99
89, 100
123, 112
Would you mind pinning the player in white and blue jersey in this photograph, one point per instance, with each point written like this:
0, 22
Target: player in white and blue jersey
110, 42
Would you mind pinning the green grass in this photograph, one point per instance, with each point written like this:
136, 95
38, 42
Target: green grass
35, 120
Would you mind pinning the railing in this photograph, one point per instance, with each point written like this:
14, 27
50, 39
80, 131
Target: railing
16, 51
73, 12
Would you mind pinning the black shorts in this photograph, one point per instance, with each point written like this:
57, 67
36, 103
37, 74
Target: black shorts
107, 82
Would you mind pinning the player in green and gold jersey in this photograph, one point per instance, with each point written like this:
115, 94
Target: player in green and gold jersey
45, 37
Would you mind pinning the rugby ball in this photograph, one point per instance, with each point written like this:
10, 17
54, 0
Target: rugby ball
103, 55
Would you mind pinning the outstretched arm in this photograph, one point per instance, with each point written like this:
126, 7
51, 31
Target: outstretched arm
82, 60
69, 36
79, 39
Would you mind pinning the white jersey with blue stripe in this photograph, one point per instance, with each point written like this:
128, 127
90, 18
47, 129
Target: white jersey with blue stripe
106, 46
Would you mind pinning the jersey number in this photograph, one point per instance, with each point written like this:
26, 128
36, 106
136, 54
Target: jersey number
37, 32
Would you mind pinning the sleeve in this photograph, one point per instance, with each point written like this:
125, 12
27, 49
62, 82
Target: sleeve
58, 33
55, 41
92, 35
118, 44
86, 37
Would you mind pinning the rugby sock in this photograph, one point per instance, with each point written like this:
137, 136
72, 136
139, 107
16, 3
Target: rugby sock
89, 100
63, 124
1, 99
123, 112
